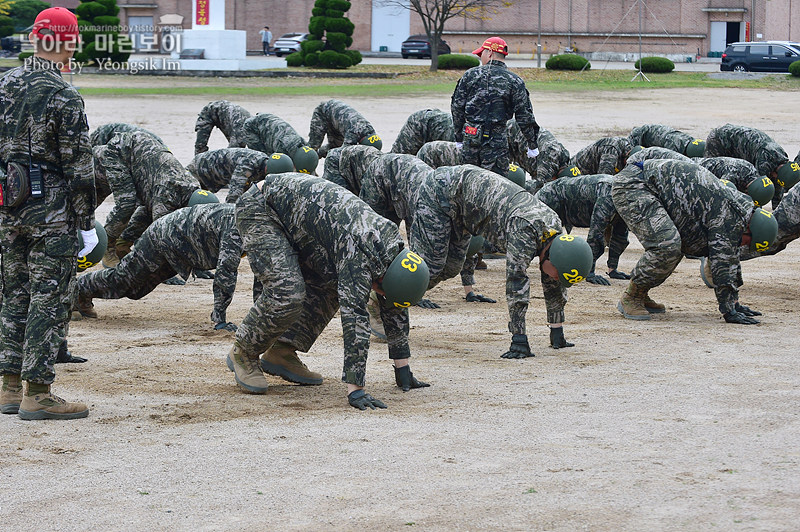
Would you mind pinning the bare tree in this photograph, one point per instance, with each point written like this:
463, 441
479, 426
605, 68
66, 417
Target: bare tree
434, 14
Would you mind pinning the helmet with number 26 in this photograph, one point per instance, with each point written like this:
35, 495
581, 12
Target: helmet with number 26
406, 279
572, 258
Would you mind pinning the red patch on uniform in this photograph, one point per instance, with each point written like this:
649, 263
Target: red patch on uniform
470, 130
1, 195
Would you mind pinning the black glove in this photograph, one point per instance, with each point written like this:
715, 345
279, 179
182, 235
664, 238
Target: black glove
427, 303
747, 311
557, 340
361, 400
519, 347
226, 325
616, 274
204, 274
175, 281
597, 279
472, 297
738, 317
65, 357
406, 380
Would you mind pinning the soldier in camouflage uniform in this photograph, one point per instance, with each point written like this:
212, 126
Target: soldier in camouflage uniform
423, 126
456, 202
666, 137
44, 123
656, 152
236, 168
343, 125
345, 166
585, 201
553, 156
271, 134
739, 172
676, 208
484, 99
317, 249
787, 214
606, 156
200, 237
440, 153
226, 116
103, 134
147, 181
758, 148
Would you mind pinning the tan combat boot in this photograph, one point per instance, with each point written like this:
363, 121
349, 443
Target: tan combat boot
653, 307
632, 304
39, 403
85, 306
281, 360
11, 394
110, 259
246, 370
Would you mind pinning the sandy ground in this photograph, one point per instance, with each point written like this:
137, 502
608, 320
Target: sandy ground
681, 423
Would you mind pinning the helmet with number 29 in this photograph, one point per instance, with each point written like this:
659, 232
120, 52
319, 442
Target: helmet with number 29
406, 279
572, 258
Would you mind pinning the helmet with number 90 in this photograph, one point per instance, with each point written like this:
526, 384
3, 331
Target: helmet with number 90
516, 174
569, 171
94, 256
372, 140
278, 163
763, 230
572, 258
761, 190
405, 280
305, 159
201, 196
788, 175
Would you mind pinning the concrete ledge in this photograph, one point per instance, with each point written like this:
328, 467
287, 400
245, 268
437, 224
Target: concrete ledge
241, 73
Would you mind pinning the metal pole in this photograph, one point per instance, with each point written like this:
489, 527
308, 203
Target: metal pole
539, 39
640, 72
569, 35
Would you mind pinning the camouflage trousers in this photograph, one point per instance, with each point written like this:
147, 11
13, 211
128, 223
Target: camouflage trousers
617, 242
489, 152
167, 198
648, 220
38, 276
204, 128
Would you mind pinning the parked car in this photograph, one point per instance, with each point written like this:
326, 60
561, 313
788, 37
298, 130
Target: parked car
288, 43
420, 46
767, 56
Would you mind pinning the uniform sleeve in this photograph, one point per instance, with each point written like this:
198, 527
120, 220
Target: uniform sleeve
203, 128
555, 299
123, 188
458, 104
430, 237
354, 286
238, 183
396, 325
523, 112
76, 157
140, 220
373, 195
230, 255
724, 258
252, 136
608, 161
602, 214
317, 129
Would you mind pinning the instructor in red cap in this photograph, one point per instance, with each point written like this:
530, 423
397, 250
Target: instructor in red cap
485, 98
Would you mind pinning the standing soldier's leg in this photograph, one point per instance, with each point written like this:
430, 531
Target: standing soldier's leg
471, 152
494, 154
13, 317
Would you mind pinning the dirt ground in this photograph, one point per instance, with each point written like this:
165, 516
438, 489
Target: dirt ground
681, 423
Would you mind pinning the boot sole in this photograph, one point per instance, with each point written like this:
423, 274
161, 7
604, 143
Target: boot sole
631, 316
655, 310
246, 387
10, 408
44, 414
285, 374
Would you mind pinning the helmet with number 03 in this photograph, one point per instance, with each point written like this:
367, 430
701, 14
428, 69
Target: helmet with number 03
572, 258
96, 255
201, 196
788, 175
763, 230
372, 140
569, 171
696, 148
406, 279
516, 174
279, 163
305, 159
475, 245
761, 190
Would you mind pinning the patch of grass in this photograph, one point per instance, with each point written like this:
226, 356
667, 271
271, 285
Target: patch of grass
531, 490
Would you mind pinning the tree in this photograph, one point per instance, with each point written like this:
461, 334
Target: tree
23, 12
331, 34
99, 27
434, 14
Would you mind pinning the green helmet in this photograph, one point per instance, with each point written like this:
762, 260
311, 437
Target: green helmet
788, 175
372, 140
475, 245
761, 190
406, 279
201, 196
305, 159
696, 148
634, 149
516, 174
569, 171
279, 163
572, 258
728, 184
96, 255
763, 230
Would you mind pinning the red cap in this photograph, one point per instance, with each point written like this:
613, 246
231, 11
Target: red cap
495, 44
56, 23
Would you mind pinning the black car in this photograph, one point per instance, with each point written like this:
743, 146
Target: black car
768, 56
420, 46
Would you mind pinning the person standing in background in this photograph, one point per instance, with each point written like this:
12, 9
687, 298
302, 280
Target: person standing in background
266, 38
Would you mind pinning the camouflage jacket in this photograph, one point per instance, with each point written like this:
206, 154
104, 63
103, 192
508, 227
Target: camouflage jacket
489, 95
710, 217
203, 237
343, 125
439, 153
237, 168
390, 186
456, 202
139, 169
606, 156
345, 166
660, 135
340, 239
224, 115
104, 133
738, 171
421, 127
746, 143
584, 201
270, 134
37, 104
656, 152
552, 154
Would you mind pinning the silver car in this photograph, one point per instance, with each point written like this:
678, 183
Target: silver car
289, 43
